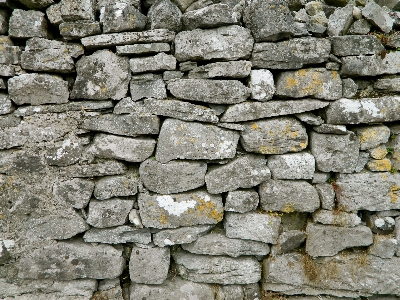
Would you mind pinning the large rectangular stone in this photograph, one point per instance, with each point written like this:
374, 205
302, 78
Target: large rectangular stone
356, 45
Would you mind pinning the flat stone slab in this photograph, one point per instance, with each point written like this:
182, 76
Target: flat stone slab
224, 43
79, 29
356, 45
214, 269
241, 201
370, 65
372, 136
118, 235
232, 69
76, 191
27, 24
191, 140
117, 186
181, 235
183, 209
143, 48
340, 218
101, 167
158, 62
292, 166
108, 213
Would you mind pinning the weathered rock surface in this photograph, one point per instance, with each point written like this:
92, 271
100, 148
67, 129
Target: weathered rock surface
27, 24
372, 136
122, 17
108, 213
165, 14
143, 48
118, 235
241, 201
6, 106
117, 186
290, 240
148, 89
77, 10
292, 166
76, 191
233, 69
181, 235
100, 167
356, 45
340, 21
378, 16
10, 54
261, 83
383, 247
79, 29
337, 218
159, 62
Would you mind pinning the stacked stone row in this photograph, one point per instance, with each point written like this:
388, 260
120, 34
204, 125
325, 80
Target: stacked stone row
199, 150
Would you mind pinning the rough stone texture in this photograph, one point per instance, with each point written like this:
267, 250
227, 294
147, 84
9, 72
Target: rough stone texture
372, 136
318, 83
335, 153
98, 167
326, 194
183, 209
79, 29
340, 218
172, 177
72, 10
340, 21
252, 226
234, 69
383, 247
116, 186
148, 89
292, 166
159, 62
76, 191
184, 140
181, 235
241, 201
9, 54
274, 136
36, 89
261, 83
165, 14
331, 129
349, 88
379, 165
27, 24
108, 213
223, 43
211, 91
243, 172
71, 260
143, 48
290, 240
118, 235
121, 16
213, 269
356, 45
6, 105
292, 54
288, 196
360, 27
389, 84
378, 16
325, 240
233, 292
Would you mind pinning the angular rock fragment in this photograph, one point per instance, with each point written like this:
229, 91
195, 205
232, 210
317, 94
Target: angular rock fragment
331, 129
122, 17
72, 10
76, 191
340, 21
36, 4
372, 136
181, 235
261, 83
290, 240
108, 213
79, 29
383, 247
67, 153
53, 13
326, 194
159, 62
378, 16
98, 168
164, 14
117, 186
118, 235
6, 106
356, 45
360, 27
233, 69
27, 24
10, 54
388, 83
292, 166
241, 201
340, 218
148, 89
143, 48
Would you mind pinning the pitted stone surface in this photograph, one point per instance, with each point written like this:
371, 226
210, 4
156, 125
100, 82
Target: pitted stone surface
292, 166
27, 24
356, 45
76, 191
165, 14
181, 235
241, 201
117, 235
108, 213
234, 69
117, 186
122, 17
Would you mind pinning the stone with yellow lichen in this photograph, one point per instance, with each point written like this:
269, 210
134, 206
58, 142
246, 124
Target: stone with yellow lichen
379, 165
372, 136
378, 152
79, 29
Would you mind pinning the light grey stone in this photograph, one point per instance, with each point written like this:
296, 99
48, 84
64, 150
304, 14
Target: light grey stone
9, 54
325, 192
210, 91
231, 292
241, 201
383, 247
274, 136
177, 210
117, 235
331, 129
380, 225
128, 125
234, 69
356, 45
102, 3
114, 293
335, 153
50, 55
100, 167
291, 54
261, 83
9, 120
128, 38
120, 16
149, 266
36, 4
170, 75
360, 191
67, 153
360, 27
340, 21
127, 106
288, 196
191, 140
337, 218
5, 256
180, 110
378, 16
3, 84
36, 89
134, 218
173, 176
290, 240
315, 82
53, 13
148, 89
159, 62
27, 24
123, 148
252, 226
143, 48
213, 269
76, 191
372, 136
164, 14
243, 172
6, 106
229, 43
326, 240
79, 29
349, 88
388, 83
292, 166
71, 260
187, 66
108, 213
117, 186
320, 177
7, 70
72, 10
269, 20
181, 235
362, 66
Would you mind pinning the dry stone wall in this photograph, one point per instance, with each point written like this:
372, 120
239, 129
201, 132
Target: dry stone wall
199, 150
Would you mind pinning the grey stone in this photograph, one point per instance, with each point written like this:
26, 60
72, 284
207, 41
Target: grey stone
117, 186
9, 54
316, 82
170, 75
164, 14
102, 3
173, 176
288, 196
356, 45
372, 136
261, 83
378, 16
243, 172
337, 218
134, 218
148, 89
213, 269
5, 256
364, 110
79, 29
187, 66
274, 136
379, 165
269, 20
108, 213
120, 16
290, 240
36, 4
128, 38
72, 10
360, 191
349, 88
97, 168
258, 110
362, 160
27, 24
50, 55
114, 293
9, 121
76, 191
23, 161
3, 84
320, 177
191, 140
241, 201
71, 260
387, 83
363, 66
172, 289
183, 209
340, 21
380, 225
326, 193
335, 153
149, 266
117, 235
291, 54
360, 27
314, 7
123, 148
216, 243
231, 292
159, 62
292, 166
252, 226
180, 110
7, 70
53, 13
229, 43
383, 247
326, 240
331, 129
6, 106
378, 152
128, 125
4, 18
181, 235
36, 89
127, 106
234, 69
101, 76
143, 48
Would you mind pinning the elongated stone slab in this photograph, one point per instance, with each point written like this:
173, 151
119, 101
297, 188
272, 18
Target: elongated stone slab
101, 167
180, 235
118, 235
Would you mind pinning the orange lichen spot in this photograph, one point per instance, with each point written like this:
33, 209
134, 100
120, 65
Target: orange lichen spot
368, 135
254, 126
294, 134
209, 209
335, 75
384, 176
291, 82
303, 145
163, 219
288, 208
393, 193
380, 165
269, 150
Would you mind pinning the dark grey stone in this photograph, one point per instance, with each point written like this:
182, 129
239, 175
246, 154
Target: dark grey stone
108, 213
76, 191
164, 14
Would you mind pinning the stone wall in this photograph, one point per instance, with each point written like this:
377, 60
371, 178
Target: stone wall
199, 150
